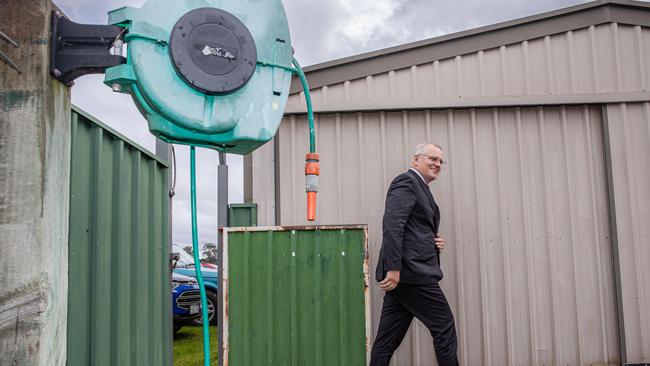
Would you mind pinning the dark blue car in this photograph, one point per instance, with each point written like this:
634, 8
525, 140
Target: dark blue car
186, 300
185, 266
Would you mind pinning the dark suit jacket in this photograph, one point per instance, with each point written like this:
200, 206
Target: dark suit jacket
410, 224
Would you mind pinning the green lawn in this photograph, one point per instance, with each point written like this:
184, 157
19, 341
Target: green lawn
188, 346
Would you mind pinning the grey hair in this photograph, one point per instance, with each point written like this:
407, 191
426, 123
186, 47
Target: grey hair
419, 148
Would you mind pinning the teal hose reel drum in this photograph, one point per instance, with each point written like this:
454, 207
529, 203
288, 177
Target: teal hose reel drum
209, 73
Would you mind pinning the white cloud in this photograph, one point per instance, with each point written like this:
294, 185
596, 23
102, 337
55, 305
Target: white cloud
364, 18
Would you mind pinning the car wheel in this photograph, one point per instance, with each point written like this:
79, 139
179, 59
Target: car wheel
213, 317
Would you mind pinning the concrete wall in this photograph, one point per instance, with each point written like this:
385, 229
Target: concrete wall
34, 186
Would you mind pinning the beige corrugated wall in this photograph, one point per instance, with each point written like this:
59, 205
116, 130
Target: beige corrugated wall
524, 205
526, 196
579, 62
629, 144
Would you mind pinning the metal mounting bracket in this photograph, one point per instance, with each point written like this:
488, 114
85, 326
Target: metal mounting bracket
80, 49
6, 58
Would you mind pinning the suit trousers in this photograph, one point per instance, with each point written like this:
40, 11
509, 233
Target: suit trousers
427, 303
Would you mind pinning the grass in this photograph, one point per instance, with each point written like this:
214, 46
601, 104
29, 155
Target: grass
188, 346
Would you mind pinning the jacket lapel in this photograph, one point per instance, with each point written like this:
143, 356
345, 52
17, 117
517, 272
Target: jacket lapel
425, 188
436, 213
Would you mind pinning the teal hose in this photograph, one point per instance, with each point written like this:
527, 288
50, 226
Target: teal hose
197, 261
310, 111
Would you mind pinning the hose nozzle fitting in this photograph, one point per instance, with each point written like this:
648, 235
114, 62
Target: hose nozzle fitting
312, 171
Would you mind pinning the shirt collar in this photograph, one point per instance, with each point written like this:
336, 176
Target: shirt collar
419, 175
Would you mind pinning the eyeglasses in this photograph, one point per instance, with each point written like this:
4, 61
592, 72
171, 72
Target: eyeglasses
434, 159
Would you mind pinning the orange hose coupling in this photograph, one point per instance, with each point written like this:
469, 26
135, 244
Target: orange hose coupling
312, 171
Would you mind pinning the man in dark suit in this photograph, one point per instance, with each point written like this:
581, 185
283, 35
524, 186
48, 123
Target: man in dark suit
409, 263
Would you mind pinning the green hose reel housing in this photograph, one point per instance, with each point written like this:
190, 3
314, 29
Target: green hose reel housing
210, 73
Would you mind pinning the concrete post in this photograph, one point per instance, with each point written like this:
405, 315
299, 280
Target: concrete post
34, 191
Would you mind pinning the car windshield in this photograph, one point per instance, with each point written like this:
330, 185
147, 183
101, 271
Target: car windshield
185, 259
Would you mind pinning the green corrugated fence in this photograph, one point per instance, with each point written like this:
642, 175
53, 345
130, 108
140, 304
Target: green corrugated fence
295, 296
119, 292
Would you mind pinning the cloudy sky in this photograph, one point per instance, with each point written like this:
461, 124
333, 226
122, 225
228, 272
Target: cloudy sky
321, 30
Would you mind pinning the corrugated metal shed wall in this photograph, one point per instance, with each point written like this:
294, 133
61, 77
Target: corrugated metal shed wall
575, 62
566, 201
629, 144
295, 296
528, 268
119, 291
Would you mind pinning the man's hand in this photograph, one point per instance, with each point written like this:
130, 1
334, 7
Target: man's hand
390, 282
440, 242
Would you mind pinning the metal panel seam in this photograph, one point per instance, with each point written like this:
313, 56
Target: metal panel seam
609, 171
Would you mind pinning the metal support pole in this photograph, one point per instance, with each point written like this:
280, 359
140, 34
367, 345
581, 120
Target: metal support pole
222, 221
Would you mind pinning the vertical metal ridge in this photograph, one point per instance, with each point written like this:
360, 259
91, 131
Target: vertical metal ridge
270, 284
246, 289
414, 82
530, 263
116, 227
162, 264
479, 218
549, 65
427, 125
294, 304
136, 220
405, 132
596, 228
638, 37
458, 235
145, 262
548, 205
369, 88
481, 71
346, 90
96, 169
226, 296
391, 85
502, 69
318, 356
324, 93
593, 58
634, 213
436, 77
361, 171
150, 242
570, 189
617, 57
505, 238
458, 62
527, 68
339, 176
382, 148
645, 341
573, 86
343, 335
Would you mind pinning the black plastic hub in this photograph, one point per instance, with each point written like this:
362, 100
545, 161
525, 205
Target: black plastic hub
213, 51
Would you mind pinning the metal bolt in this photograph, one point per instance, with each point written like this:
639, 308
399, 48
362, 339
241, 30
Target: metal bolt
57, 73
58, 14
117, 47
116, 87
